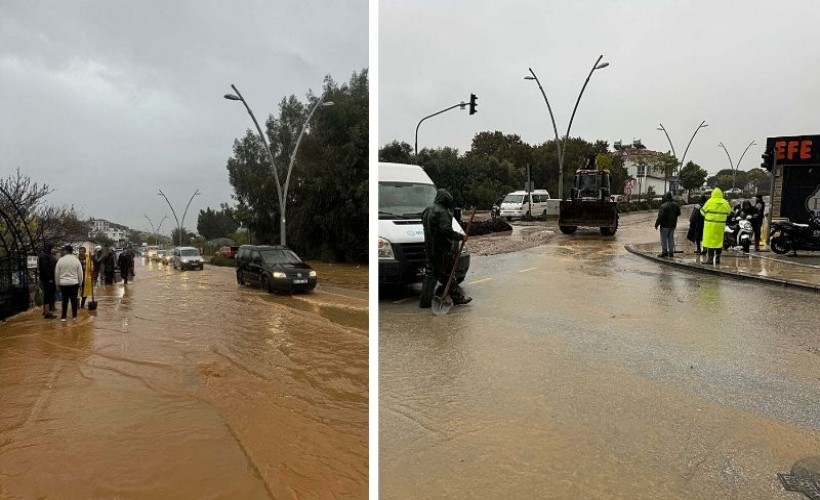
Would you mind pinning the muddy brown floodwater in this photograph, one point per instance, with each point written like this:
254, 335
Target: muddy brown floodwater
186, 385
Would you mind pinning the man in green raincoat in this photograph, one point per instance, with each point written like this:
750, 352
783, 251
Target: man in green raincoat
714, 212
439, 241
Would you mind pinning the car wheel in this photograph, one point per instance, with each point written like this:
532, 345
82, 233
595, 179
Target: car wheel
568, 229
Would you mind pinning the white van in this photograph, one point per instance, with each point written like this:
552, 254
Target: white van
520, 204
404, 192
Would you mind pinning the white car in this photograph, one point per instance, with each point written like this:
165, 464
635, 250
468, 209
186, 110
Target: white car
187, 258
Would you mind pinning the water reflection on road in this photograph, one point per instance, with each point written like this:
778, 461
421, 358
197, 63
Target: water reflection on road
581, 371
184, 385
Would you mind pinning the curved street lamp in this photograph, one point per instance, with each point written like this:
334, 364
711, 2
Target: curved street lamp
562, 147
703, 124
156, 230
735, 168
179, 226
281, 191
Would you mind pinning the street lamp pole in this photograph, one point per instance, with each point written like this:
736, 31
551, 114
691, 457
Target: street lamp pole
179, 226
282, 192
703, 124
461, 105
554, 128
156, 230
563, 147
735, 168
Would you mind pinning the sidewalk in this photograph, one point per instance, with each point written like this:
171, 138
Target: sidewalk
801, 271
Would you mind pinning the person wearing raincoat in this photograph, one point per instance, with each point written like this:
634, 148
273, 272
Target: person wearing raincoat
439, 241
714, 211
86, 281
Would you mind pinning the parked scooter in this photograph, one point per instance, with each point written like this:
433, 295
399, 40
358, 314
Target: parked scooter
787, 236
745, 234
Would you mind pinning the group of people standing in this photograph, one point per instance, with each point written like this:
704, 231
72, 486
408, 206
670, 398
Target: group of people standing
707, 223
75, 275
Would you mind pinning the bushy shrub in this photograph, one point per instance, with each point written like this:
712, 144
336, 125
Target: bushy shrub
219, 261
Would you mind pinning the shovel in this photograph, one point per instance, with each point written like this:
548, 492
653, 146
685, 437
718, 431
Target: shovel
441, 305
92, 304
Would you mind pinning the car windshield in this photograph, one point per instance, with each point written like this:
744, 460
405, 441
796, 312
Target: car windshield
404, 199
514, 198
278, 256
189, 252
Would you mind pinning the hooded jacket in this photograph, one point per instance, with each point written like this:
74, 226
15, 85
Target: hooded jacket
45, 264
668, 213
439, 234
714, 212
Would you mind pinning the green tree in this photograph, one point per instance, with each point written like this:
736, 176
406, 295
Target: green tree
396, 152
692, 176
212, 224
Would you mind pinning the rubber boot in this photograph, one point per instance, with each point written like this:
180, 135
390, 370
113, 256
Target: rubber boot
717, 255
710, 255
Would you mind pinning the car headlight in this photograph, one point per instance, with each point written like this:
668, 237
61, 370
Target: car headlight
279, 274
385, 249
312, 274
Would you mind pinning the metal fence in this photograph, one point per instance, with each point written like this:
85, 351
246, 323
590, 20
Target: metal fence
14, 285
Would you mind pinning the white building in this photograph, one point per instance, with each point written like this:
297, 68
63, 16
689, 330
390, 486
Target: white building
114, 232
645, 176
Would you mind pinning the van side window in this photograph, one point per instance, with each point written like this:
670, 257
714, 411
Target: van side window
256, 258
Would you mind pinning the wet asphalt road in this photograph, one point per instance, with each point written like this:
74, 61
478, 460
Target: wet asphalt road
581, 371
186, 385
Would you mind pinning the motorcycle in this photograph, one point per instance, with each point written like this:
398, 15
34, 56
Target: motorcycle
786, 236
745, 234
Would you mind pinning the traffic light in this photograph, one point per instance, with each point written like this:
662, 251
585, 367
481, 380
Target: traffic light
473, 104
768, 161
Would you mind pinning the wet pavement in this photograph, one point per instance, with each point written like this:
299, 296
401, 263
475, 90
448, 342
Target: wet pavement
583, 371
801, 270
186, 385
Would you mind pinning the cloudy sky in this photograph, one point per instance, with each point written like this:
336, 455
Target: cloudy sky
750, 69
110, 101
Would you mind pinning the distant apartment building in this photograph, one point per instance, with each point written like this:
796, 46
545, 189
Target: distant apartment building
114, 232
645, 175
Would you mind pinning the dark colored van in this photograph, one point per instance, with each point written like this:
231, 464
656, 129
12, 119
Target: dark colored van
275, 268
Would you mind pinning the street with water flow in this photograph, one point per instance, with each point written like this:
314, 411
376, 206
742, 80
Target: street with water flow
187, 385
583, 371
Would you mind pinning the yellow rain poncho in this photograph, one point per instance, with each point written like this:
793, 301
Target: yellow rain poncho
714, 212
85, 287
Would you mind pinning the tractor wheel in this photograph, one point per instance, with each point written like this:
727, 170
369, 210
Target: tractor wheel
568, 229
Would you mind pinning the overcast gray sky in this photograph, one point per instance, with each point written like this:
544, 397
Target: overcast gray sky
110, 101
751, 69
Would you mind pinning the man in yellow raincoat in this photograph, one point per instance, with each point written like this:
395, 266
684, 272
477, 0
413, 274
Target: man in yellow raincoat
85, 280
714, 212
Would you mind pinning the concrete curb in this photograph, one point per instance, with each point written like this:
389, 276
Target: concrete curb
718, 271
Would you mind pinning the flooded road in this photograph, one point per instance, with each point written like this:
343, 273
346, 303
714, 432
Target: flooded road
186, 385
580, 371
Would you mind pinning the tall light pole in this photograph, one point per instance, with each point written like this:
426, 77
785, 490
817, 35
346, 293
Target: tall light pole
179, 225
703, 124
282, 192
554, 129
156, 229
563, 147
735, 168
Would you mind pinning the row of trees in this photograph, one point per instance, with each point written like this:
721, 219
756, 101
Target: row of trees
496, 164
327, 202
